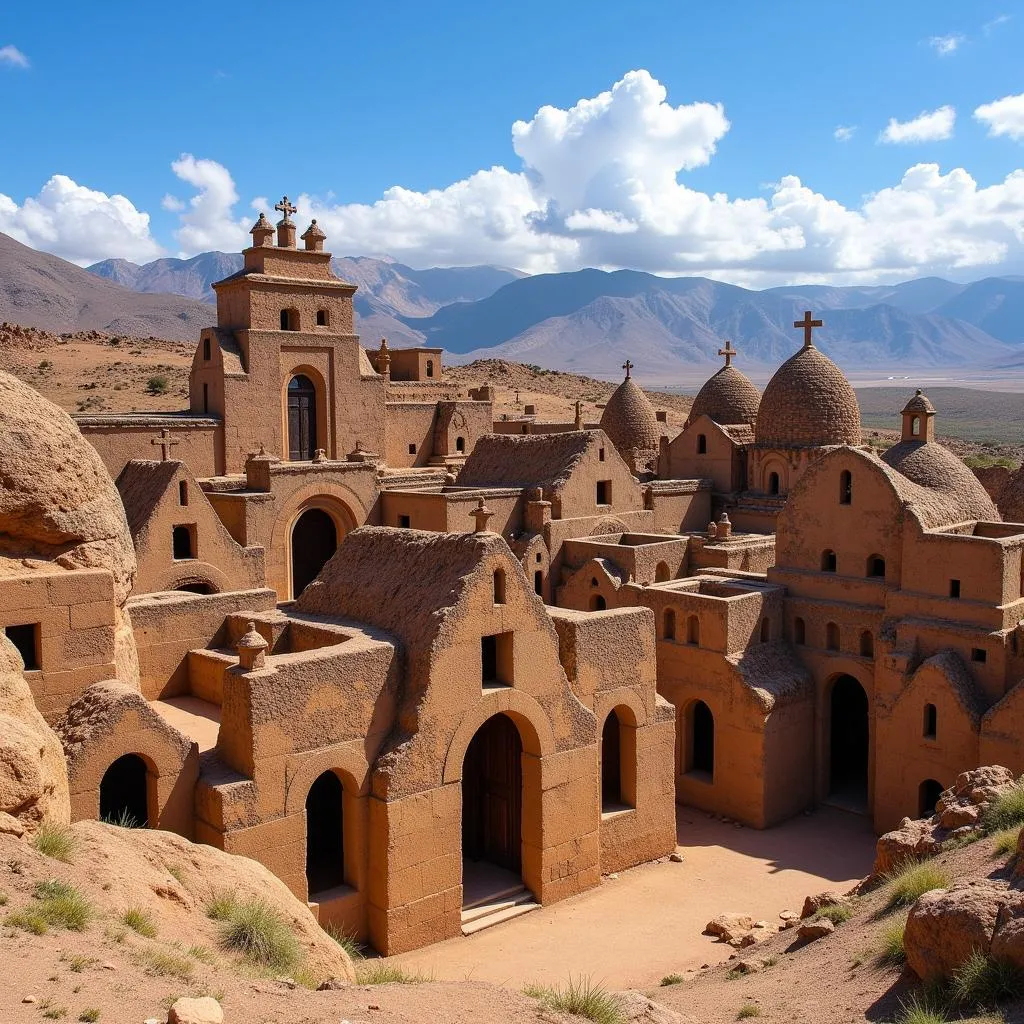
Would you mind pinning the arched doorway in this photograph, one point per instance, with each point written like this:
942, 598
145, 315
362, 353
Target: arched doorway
314, 540
124, 793
492, 795
848, 735
301, 419
928, 794
611, 763
701, 745
325, 834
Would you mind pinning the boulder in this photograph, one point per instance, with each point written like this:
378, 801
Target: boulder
913, 840
33, 775
946, 925
205, 1010
812, 904
730, 927
811, 930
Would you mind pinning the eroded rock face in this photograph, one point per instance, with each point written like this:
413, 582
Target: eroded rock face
33, 774
811, 930
58, 504
812, 904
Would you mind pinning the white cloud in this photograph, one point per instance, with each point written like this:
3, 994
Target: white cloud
13, 57
930, 126
172, 203
208, 222
844, 132
946, 46
991, 26
1003, 117
79, 224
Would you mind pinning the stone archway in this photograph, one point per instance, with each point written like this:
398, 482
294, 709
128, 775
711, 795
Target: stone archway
325, 834
928, 794
124, 793
849, 734
314, 540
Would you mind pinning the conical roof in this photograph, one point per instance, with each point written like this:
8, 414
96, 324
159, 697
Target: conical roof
728, 397
629, 419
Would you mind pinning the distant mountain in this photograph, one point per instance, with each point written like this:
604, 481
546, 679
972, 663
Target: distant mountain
40, 290
191, 277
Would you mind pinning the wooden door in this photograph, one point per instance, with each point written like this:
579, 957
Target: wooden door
301, 419
492, 791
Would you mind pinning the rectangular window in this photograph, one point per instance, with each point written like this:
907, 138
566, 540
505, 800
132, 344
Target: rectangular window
600, 455
954, 588
404, 522
979, 654
206, 349
183, 542
496, 660
412, 449
182, 492
604, 492
538, 582
206, 398
26, 639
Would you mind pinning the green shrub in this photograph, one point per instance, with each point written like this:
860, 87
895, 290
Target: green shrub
158, 384
379, 972
909, 883
222, 906
347, 942
138, 920
30, 920
89, 1016
201, 953
123, 819
165, 963
672, 979
1005, 811
920, 1010
62, 905
981, 982
837, 913
261, 935
748, 1010
54, 841
580, 997
890, 943
1005, 844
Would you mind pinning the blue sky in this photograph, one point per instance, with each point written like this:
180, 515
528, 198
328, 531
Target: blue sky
338, 103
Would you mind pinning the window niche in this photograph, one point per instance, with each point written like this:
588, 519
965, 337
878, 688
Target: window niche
496, 663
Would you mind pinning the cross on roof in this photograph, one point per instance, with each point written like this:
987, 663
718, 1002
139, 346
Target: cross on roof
627, 366
165, 442
808, 325
285, 207
728, 352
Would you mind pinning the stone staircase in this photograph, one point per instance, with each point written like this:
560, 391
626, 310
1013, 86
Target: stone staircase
496, 907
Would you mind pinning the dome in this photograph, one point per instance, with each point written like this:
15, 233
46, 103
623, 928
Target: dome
920, 403
931, 465
727, 397
629, 419
808, 403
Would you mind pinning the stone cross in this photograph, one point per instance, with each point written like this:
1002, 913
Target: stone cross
285, 207
728, 352
808, 325
165, 442
627, 366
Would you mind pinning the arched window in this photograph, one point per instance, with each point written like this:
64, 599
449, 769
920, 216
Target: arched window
799, 631
828, 560
915, 426
931, 722
766, 629
302, 426
845, 487
702, 444
460, 444
289, 319
430, 367
876, 566
867, 644
700, 740
597, 603
325, 834
832, 636
322, 318
611, 763
928, 794
693, 630
773, 483
499, 586
124, 793
661, 572
669, 630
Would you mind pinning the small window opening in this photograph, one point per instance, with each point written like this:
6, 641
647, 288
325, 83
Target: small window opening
321, 318
954, 588
867, 644
979, 654
799, 631
773, 483
828, 561
182, 542
182, 492
539, 556
876, 566
412, 449
430, 367
206, 349
597, 603
845, 487
600, 455
538, 583
766, 630
26, 639
460, 444
404, 522
669, 631
693, 630
931, 721
206, 398
604, 492
499, 586
702, 444
289, 319
832, 636
915, 426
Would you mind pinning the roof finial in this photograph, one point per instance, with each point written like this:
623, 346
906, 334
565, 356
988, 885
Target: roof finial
808, 325
627, 366
285, 208
481, 514
728, 352
579, 415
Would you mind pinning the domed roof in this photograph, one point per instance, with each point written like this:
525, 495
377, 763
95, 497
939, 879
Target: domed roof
919, 403
931, 465
727, 397
808, 403
629, 419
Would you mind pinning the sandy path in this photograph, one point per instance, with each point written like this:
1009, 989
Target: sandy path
633, 930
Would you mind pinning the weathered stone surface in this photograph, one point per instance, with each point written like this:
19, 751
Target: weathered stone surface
811, 930
946, 925
205, 1010
333, 985
638, 1009
729, 927
812, 904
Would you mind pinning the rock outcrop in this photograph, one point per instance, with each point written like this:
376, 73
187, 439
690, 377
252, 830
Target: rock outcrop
33, 776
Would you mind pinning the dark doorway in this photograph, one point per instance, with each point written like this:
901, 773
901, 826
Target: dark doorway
325, 836
124, 793
492, 795
848, 733
314, 540
702, 740
611, 764
928, 794
301, 419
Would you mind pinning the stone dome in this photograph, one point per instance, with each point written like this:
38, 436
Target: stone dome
931, 465
728, 397
919, 403
808, 403
629, 419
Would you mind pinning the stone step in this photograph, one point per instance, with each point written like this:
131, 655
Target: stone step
497, 895
507, 913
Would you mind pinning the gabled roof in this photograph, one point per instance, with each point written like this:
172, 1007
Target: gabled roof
526, 460
142, 484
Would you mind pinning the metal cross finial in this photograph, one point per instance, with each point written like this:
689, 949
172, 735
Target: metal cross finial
808, 325
165, 442
728, 352
286, 208
627, 366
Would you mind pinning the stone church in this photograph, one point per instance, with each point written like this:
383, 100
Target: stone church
435, 670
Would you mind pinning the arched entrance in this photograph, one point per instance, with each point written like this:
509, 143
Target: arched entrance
124, 793
325, 834
848, 735
492, 795
301, 419
314, 540
701, 746
611, 764
928, 794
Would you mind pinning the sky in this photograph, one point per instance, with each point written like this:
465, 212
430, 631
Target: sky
756, 142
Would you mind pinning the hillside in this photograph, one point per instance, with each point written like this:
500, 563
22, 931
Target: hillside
43, 291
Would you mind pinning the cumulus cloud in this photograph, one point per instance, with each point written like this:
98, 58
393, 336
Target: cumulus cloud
946, 46
844, 132
929, 126
79, 224
208, 222
13, 57
1003, 117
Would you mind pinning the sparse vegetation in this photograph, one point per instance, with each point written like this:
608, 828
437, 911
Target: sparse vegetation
177, 873
890, 943
158, 384
221, 907
837, 913
1006, 811
89, 1016
1005, 842
672, 979
258, 932
748, 1010
201, 953
59, 906
981, 982
78, 963
54, 841
379, 972
139, 921
165, 963
913, 880
920, 1010
123, 819
347, 942
580, 997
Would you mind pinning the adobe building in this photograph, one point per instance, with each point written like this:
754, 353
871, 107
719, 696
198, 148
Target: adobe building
435, 671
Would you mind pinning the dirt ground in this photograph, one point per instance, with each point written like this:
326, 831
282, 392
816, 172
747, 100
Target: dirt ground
634, 929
